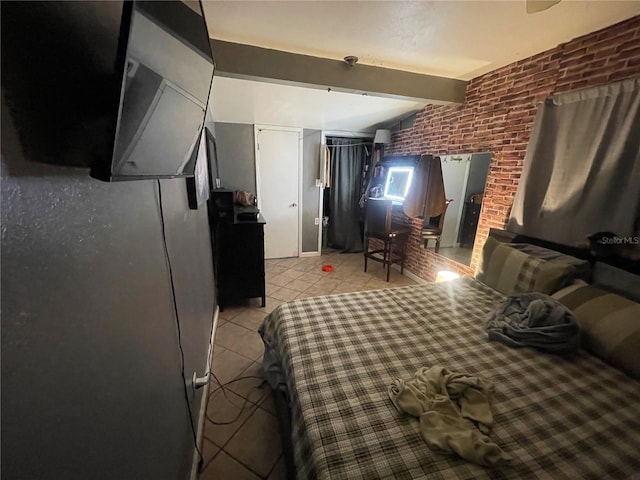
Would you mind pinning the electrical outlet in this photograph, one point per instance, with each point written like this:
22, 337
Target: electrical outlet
199, 382
317, 221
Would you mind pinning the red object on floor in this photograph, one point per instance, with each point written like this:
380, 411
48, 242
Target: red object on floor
327, 268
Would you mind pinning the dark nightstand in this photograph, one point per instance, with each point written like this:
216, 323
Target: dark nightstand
469, 224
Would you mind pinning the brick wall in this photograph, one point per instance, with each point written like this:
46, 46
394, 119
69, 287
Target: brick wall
497, 117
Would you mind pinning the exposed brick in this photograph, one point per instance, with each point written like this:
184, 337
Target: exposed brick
628, 46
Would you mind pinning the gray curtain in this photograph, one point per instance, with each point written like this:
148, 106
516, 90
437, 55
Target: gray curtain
347, 161
582, 167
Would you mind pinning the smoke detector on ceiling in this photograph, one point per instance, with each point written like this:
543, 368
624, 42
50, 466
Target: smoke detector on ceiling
351, 60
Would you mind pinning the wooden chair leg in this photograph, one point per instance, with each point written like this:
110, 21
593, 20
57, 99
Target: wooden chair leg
366, 251
384, 254
437, 244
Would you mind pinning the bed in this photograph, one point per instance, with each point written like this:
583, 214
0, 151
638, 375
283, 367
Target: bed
332, 359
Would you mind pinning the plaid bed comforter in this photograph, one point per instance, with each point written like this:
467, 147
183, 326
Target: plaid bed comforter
557, 418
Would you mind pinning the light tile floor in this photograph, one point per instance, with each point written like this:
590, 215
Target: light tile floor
244, 443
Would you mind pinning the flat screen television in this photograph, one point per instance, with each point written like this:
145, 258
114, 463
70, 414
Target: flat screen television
166, 80
120, 87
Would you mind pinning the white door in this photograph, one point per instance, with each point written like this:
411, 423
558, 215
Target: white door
278, 152
455, 169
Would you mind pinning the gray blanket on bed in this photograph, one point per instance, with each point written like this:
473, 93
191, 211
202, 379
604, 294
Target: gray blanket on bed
535, 320
454, 411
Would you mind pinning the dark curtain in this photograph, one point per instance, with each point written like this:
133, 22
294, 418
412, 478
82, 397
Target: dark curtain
582, 168
348, 157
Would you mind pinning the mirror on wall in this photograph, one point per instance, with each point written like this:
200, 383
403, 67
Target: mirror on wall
398, 183
464, 176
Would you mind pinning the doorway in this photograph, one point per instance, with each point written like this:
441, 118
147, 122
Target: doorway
349, 160
278, 152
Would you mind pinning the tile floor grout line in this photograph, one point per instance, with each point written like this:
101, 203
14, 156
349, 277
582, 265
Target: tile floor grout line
249, 402
274, 465
204, 467
252, 407
264, 382
240, 461
241, 326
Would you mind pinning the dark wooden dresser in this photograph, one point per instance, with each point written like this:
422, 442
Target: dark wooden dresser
469, 224
238, 255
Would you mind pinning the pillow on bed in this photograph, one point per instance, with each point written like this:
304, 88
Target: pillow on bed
617, 280
511, 271
582, 267
610, 324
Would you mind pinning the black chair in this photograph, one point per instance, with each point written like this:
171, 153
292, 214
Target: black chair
379, 226
432, 230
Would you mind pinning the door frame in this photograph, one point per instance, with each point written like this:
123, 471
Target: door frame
299, 130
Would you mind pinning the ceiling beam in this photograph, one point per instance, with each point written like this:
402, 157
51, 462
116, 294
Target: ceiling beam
247, 62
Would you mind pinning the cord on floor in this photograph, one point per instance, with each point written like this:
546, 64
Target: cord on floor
224, 393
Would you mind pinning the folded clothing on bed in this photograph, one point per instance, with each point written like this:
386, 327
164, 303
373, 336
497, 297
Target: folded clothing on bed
454, 411
535, 320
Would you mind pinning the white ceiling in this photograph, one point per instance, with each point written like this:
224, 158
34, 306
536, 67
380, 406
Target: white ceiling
245, 101
456, 39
